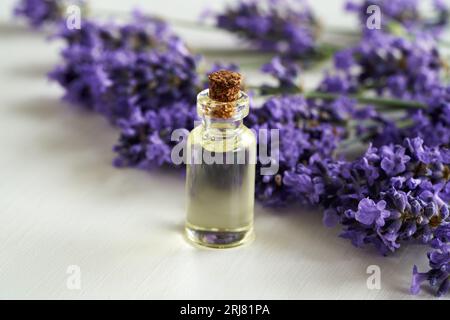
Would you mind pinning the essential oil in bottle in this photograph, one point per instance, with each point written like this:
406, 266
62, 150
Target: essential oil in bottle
221, 157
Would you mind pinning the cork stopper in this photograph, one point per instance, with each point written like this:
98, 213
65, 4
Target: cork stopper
224, 88
224, 85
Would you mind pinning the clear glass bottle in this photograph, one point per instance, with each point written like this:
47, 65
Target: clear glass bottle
220, 181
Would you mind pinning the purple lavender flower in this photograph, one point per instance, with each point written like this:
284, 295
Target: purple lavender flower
278, 112
285, 71
406, 13
393, 160
407, 69
388, 64
344, 59
433, 123
145, 139
285, 27
439, 259
114, 68
338, 83
370, 212
309, 129
374, 205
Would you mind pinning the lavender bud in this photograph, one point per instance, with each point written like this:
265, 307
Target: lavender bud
395, 215
415, 207
412, 183
444, 212
400, 201
430, 210
410, 229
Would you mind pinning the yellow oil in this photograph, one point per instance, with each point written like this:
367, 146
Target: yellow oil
220, 193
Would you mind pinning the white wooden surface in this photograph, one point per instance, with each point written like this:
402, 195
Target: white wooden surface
63, 204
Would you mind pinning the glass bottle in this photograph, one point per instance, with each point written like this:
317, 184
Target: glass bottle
220, 178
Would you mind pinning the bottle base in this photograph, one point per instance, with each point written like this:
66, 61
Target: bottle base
217, 238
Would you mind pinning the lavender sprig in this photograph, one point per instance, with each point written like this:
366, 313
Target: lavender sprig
405, 69
404, 13
40, 13
439, 260
285, 71
393, 194
113, 68
389, 65
285, 27
145, 136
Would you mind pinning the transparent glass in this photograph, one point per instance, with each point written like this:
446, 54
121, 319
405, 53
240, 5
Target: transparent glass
220, 178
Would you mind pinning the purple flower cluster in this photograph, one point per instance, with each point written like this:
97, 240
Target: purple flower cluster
388, 64
146, 136
432, 123
285, 71
393, 194
439, 260
392, 66
307, 129
406, 13
286, 27
39, 12
115, 68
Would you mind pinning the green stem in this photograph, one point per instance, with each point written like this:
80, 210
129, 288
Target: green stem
342, 31
382, 102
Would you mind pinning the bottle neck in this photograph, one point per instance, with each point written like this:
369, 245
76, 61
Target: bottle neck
222, 128
222, 120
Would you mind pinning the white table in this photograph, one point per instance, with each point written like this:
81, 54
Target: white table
63, 204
